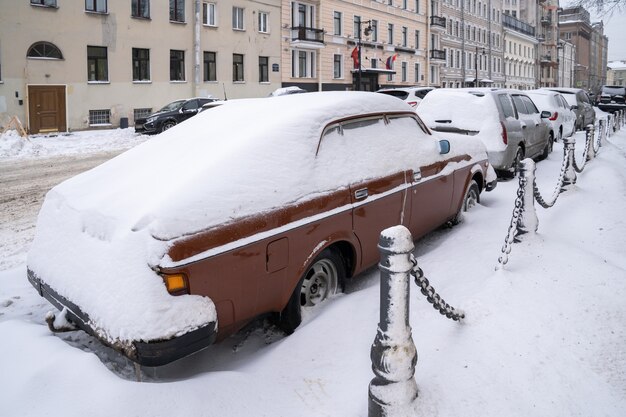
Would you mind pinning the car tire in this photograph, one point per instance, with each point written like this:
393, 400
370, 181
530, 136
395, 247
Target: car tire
168, 125
519, 157
549, 146
470, 199
322, 279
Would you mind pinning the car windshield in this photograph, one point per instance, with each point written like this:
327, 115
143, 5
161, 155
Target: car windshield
613, 90
396, 93
173, 106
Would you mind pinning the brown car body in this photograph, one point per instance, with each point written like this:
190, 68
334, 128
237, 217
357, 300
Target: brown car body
252, 265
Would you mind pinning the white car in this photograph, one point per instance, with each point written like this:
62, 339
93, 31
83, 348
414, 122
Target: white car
411, 95
563, 119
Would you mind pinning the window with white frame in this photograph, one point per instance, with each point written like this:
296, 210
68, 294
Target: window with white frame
337, 23
302, 15
99, 117
264, 22
433, 74
45, 3
238, 18
356, 23
374, 34
141, 113
337, 66
209, 14
96, 6
302, 63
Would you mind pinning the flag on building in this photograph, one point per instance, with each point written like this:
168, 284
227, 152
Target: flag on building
355, 57
390, 61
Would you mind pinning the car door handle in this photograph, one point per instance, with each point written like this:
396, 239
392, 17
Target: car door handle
361, 194
523, 126
417, 175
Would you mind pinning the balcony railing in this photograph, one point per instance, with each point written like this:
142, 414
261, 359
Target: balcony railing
438, 21
546, 20
301, 33
438, 54
546, 58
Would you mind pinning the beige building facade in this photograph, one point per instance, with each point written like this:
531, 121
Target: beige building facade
71, 65
520, 48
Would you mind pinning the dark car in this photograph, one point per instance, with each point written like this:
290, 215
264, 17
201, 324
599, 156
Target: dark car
170, 115
612, 98
580, 103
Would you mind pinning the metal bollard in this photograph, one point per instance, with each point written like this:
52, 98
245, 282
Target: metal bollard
609, 125
393, 354
528, 221
569, 178
590, 135
601, 132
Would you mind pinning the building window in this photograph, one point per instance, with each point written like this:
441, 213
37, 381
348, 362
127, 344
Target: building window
177, 11
141, 64
433, 74
210, 66
209, 14
140, 8
337, 21
97, 65
238, 18
177, 65
96, 6
337, 66
302, 64
390, 33
238, 68
356, 24
45, 3
405, 4
417, 6
141, 113
404, 71
99, 117
264, 19
417, 72
405, 31
374, 33
44, 50
264, 69
417, 39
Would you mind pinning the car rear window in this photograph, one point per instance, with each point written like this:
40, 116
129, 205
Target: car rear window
613, 90
400, 94
519, 105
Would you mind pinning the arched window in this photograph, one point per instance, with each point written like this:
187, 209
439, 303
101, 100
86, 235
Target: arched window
44, 50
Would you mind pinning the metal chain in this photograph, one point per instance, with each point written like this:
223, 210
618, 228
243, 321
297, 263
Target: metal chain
557, 190
510, 236
576, 167
431, 295
599, 138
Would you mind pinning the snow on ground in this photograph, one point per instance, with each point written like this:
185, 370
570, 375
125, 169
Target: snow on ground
543, 337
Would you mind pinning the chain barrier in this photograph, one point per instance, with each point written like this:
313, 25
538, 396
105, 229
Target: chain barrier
510, 236
557, 191
431, 295
578, 168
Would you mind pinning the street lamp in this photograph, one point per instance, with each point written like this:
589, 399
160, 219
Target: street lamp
367, 31
482, 52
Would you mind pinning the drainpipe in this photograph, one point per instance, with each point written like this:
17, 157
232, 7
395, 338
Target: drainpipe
319, 55
490, 18
463, 60
428, 45
196, 47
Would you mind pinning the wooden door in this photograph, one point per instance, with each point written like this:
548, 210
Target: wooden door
46, 108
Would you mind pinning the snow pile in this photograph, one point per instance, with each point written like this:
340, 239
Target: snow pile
12, 146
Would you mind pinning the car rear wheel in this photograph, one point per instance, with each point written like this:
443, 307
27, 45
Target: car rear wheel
519, 156
168, 125
323, 279
549, 146
471, 199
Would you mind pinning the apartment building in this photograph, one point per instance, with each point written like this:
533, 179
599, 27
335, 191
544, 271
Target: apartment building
548, 36
520, 48
398, 42
616, 73
69, 65
567, 59
473, 43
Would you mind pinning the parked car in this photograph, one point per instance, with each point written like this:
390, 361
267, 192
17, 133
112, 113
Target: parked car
580, 103
562, 118
181, 240
411, 95
170, 115
506, 121
287, 90
612, 98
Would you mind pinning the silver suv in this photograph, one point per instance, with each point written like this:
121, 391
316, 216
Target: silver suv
506, 121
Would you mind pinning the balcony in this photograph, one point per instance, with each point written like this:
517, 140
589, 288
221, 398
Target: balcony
438, 54
311, 37
546, 20
438, 23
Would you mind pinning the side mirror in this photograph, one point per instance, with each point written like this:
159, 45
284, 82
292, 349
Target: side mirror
574, 107
444, 146
546, 114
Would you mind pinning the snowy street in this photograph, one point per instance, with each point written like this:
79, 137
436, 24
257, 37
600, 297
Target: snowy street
546, 336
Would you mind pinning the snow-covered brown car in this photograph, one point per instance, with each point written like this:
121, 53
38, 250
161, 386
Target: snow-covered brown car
262, 206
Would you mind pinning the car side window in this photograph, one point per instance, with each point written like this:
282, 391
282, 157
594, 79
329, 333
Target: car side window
191, 104
421, 93
519, 105
507, 107
530, 106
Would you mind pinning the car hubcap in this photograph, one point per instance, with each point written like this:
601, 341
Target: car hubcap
471, 200
320, 283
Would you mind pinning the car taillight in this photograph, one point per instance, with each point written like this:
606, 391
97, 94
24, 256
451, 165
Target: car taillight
554, 116
176, 284
505, 137
412, 103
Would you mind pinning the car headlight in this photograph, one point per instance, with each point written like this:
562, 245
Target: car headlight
151, 119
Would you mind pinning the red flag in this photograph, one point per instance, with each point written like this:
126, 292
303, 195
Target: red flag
390, 61
355, 57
